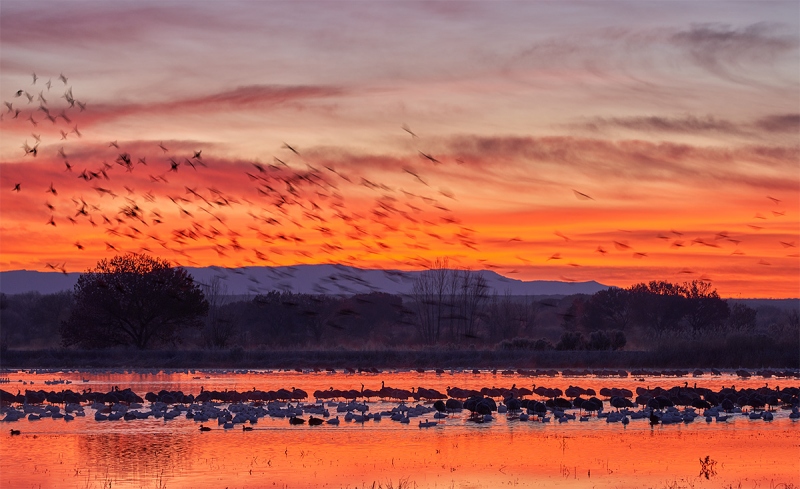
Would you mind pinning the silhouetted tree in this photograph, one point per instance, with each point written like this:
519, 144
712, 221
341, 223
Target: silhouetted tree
432, 299
221, 321
32, 320
281, 320
571, 319
658, 305
742, 318
448, 302
471, 293
703, 306
133, 300
504, 318
618, 339
608, 309
793, 320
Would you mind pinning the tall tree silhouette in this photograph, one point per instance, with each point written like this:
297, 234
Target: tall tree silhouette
133, 300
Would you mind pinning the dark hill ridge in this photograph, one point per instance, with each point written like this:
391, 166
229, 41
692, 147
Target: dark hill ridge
308, 279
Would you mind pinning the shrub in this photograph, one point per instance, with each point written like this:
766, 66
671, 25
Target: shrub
598, 340
571, 341
618, 339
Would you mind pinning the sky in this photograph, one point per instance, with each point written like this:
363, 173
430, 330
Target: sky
621, 142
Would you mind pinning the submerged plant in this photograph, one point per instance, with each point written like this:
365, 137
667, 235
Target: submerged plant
707, 467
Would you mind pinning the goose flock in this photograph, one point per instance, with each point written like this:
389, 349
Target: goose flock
229, 408
300, 207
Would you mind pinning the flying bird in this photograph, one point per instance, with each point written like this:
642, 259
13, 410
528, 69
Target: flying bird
429, 157
415, 175
408, 130
291, 149
581, 195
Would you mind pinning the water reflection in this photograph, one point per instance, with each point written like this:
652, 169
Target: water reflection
156, 453
133, 457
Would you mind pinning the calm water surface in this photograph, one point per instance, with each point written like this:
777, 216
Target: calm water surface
154, 453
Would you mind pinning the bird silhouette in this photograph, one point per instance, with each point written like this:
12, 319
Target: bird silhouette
581, 195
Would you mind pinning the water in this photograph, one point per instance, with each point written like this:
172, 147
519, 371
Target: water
457, 453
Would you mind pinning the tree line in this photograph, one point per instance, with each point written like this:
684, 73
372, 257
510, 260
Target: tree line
140, 302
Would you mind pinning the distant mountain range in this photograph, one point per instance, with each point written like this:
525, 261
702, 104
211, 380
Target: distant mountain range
307, 279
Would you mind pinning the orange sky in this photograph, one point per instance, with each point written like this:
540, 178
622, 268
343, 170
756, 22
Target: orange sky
633, 142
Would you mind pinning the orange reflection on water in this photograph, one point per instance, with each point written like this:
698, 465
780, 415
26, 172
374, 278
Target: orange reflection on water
455, 454
85, 454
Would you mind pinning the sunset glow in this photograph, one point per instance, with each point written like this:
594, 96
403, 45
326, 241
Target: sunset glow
619, 142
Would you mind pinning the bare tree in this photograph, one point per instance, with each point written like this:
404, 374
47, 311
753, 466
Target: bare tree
473, 295
506, 317
430, 293
448, 302
220, 324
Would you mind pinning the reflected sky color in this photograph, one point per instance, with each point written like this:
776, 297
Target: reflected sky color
611, 141
154, 453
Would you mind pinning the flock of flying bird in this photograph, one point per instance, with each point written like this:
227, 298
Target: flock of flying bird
294, 204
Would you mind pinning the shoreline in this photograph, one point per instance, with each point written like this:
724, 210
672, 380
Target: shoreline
412, 359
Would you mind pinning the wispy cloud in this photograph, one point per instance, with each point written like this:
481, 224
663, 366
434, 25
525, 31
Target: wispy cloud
725, 50
661, 124
789, 123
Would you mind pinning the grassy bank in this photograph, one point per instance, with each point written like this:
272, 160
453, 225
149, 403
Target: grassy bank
238, 358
